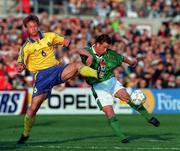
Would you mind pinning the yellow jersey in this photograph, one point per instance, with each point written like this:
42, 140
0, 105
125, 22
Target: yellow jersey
39, 55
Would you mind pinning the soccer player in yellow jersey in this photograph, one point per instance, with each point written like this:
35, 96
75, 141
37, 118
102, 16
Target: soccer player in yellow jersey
38, 56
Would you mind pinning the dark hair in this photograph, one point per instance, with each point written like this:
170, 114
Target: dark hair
29, 18
103, 38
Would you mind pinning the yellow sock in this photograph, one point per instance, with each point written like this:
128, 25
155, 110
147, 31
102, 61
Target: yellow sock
86, 71
28, 123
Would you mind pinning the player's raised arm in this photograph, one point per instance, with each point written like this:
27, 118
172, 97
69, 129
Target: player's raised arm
87, 54
60, 40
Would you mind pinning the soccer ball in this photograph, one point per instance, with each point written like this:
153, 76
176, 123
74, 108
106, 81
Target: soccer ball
138, 97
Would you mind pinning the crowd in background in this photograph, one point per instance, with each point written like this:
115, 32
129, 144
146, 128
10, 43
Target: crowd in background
123, 8
126, 8
158, 55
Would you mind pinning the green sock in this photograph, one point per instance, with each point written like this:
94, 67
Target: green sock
28, 123
114, 123
87, 71
141, 109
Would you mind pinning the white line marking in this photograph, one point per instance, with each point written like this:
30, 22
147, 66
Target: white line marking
107, 148
98, 147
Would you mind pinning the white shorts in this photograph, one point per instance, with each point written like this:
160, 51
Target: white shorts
104, 92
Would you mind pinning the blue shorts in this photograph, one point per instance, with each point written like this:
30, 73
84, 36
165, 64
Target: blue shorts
46, 79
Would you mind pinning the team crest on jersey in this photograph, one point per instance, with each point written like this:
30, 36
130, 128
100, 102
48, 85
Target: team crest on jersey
49, 44
43, 53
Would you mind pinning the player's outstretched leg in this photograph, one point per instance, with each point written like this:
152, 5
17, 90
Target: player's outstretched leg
28, 123
154, 121
86, 71
123, 95
77, 67
142, 110
114, 123
30, 117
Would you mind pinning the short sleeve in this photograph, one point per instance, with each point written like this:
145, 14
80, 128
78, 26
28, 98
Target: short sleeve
57, 40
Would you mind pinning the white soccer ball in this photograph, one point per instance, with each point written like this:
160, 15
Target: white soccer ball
138, 97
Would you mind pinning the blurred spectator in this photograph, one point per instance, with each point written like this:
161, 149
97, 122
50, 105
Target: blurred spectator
76, 7
5, 84
2, 69
132, 81
178, 81
142, 84
24, 5
158, 84
102, 8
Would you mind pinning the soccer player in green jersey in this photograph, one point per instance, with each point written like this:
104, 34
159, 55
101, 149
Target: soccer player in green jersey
107, 86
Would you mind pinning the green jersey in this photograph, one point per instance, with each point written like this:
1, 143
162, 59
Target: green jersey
105, 64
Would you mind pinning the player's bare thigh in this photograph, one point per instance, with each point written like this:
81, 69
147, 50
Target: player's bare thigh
122, 94
70, 71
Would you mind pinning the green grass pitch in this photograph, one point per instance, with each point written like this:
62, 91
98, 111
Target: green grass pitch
90, 133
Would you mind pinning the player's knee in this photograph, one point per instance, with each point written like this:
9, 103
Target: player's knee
78, 64
122, 95
125, 97
32, 112
108, 111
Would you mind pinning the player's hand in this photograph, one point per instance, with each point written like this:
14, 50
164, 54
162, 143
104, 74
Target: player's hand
66, 42
89, 60
20, 67
134, 63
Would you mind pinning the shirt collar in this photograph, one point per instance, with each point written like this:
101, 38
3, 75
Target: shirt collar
95, 52
40, 36
93, 49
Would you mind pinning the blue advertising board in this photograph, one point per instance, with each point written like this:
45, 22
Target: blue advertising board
162, 101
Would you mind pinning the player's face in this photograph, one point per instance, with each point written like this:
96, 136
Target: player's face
101, 48
32, 28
